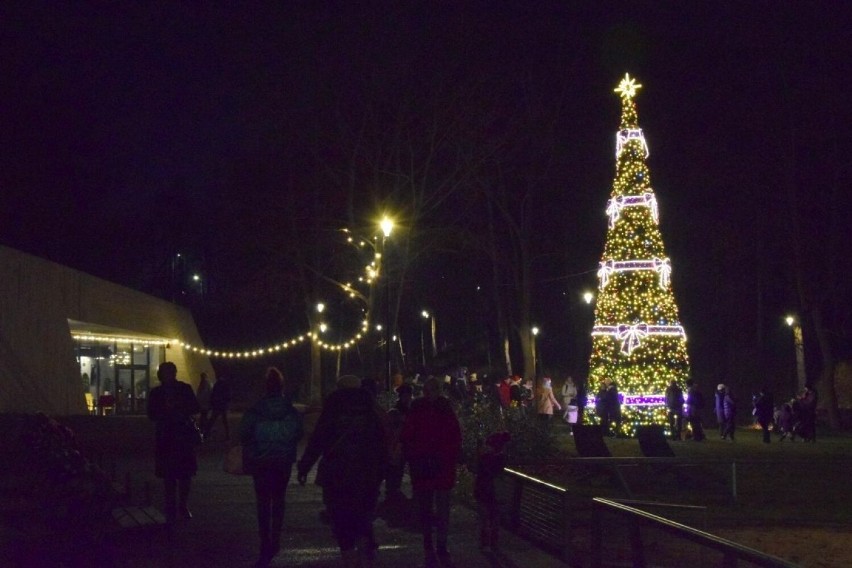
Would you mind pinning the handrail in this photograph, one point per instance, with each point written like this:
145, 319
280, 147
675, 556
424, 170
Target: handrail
729, 548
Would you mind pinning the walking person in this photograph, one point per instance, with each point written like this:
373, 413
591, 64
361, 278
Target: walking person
220, 399
269, 432
171, 406
720, 409
694, 406
569, 398
351, 445
674, 409
396, 461
545, 401
202, 395
808, 410
489, 464
431, 442
729, 406
764, 412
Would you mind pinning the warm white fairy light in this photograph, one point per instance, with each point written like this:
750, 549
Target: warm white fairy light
662, 266
622, 137
615, 206
283, 346
631, 335
106, 338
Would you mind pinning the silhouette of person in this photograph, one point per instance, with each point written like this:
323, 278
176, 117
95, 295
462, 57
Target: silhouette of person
351, 440
269, 432
431, 442
220, 399
171, 406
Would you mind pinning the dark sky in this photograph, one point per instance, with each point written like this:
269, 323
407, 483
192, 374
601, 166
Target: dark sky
110, 113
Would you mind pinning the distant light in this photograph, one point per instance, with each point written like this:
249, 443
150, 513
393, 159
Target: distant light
196, 277
588, 297
790, 320
535, 331
379, 327
425, 314
320, 307
323, 327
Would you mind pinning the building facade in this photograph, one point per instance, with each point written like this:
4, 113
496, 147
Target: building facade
67, 338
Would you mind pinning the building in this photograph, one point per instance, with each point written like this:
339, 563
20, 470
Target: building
67, 337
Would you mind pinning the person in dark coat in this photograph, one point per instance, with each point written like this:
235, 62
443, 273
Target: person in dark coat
674, 409
220, 399
808, 409
269, 433
720, 409
694, 406
351, 444
171, 406
396, 463
764, 411
431, 443
729, 406
608, 406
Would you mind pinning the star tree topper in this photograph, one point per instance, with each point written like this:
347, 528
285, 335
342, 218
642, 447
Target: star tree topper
628, 87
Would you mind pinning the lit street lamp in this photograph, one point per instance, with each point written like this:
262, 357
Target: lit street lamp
534, 332
794, 323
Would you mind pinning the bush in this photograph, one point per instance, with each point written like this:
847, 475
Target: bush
530, 441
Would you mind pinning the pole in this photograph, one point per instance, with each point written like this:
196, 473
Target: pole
387, 320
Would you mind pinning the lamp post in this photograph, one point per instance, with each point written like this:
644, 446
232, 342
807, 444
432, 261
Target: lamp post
534, 332
794, 323
425, 315
387, 226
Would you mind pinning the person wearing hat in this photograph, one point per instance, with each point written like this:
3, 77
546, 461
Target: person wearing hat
490, 462
720, 409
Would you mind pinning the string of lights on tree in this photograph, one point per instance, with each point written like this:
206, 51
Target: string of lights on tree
371, 273
637, 340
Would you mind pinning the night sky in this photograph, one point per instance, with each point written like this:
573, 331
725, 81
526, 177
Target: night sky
130, 132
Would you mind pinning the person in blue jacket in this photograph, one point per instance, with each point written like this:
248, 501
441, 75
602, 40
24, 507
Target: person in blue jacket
270, 432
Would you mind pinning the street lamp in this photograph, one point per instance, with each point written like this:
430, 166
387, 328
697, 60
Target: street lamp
794, 323
387, 226
534, 331
425, 315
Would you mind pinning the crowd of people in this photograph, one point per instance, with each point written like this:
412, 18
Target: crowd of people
420, 433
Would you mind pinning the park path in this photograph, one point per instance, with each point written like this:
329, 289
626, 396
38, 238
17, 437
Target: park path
223, 530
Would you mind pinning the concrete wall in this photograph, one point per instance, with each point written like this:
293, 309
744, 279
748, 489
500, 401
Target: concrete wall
38, 371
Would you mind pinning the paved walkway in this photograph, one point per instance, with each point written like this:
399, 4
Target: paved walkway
223, 530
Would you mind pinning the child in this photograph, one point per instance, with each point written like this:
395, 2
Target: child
489, 465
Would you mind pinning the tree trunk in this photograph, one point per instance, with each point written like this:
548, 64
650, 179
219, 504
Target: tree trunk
826, 376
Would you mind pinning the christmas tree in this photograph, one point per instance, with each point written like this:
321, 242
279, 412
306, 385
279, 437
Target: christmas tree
637, 340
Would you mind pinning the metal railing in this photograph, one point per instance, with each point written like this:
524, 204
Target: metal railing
546, 514
732, 552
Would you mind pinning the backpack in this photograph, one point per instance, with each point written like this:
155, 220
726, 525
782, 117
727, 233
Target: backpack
276, 440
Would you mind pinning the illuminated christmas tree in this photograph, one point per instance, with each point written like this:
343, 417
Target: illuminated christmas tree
637, 340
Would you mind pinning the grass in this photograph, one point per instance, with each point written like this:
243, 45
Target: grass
778, 483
